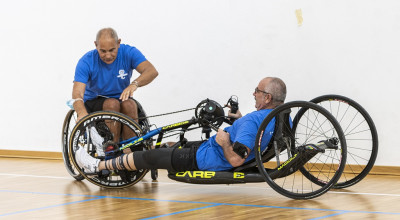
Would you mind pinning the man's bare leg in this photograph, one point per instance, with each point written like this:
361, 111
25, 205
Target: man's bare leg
115, 127
129, 108
127, 160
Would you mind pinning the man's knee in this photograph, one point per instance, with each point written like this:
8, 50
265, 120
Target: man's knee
111, 104
129, 107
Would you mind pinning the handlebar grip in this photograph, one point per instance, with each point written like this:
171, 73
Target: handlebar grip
234, 108
234, 105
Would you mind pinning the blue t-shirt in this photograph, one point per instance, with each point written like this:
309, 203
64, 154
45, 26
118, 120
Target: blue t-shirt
108, 80
210, 156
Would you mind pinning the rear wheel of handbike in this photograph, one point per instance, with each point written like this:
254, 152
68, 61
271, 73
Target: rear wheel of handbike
322, 169
361, 136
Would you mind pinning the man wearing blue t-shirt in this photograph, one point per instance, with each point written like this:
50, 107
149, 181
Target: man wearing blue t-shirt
103, 81
227, 149
103, 76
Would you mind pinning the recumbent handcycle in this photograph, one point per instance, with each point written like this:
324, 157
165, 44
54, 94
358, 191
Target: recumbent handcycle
329, 142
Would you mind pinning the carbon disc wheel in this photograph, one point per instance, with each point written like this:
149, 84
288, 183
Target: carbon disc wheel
81, 138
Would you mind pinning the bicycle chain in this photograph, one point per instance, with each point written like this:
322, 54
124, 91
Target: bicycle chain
169, 113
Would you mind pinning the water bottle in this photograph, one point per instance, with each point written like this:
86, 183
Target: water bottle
70, 103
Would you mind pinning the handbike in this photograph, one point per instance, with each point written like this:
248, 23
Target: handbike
302, 158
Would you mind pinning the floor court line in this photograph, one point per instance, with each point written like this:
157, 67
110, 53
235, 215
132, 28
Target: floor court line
34, 176
328, 216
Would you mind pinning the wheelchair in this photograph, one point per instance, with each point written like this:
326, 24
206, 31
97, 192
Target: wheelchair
70, 122
302, 149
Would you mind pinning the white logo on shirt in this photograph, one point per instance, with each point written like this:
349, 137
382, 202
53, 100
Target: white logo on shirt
122, 74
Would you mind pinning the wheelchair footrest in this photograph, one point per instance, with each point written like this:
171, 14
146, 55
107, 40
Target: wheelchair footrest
215, 177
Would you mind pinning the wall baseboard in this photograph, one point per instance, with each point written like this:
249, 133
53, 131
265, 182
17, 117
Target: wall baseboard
31, 154
376, 170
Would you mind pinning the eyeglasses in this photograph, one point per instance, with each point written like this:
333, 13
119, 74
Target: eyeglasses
256, 90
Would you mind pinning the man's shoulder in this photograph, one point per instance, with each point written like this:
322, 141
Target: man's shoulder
255, 117
90, 55
126, 47
259, 113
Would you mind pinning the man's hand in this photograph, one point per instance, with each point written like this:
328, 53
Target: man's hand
128, 92
223, 138
237, 115
80, 117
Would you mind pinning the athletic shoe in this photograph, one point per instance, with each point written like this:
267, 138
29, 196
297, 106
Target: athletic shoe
85, 161
97, 141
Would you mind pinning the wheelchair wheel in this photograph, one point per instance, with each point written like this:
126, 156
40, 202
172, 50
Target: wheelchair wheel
361, 136
69, 123
80, 137
304, 158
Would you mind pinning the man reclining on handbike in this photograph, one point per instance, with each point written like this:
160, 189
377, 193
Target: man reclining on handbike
227, 149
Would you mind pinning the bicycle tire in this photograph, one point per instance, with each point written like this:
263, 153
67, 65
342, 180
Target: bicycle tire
362, 153
303, 187
69, 123
106, 179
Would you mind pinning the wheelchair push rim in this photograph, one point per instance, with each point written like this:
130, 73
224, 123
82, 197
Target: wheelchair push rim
297, 165
80, 137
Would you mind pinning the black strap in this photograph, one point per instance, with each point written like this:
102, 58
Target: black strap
127, 161
114, 164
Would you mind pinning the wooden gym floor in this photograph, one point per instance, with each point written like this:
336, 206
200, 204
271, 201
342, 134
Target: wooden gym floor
40, 188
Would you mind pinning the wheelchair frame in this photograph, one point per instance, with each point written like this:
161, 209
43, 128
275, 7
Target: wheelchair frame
255, 171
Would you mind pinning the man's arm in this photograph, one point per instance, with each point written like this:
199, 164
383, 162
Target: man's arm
77, 93
233, 158
147, 74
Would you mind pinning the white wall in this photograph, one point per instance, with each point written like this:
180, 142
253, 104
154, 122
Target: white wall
202, 49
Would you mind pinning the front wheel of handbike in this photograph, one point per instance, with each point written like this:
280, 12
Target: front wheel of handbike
80, 137
315, 143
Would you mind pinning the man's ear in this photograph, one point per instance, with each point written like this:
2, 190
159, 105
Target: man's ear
268, 98
95, 43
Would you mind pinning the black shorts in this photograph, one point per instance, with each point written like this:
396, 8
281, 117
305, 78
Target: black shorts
173, 159
96, 104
